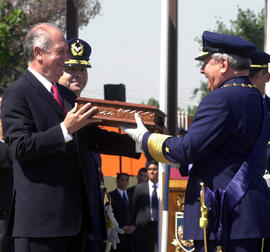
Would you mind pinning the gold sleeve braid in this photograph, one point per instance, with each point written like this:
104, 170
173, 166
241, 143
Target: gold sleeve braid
155, 143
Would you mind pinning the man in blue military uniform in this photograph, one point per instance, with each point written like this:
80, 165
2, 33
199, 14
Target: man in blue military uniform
259, 76
224, 143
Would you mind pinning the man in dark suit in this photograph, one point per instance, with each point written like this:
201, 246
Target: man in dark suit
226, 191
145, 209
259, 76
122, 208
53, 206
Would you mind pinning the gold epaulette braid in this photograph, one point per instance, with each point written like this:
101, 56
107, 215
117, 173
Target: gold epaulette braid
155, 144
235, 84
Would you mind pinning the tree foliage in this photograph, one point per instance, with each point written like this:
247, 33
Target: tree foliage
53, 11
248, 25
12, 32
152, 101
16, 17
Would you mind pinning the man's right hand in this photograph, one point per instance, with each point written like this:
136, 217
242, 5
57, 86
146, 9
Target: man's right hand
78, 118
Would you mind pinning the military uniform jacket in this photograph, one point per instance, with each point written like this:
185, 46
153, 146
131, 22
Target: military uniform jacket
224, 130
51, 177
267, 101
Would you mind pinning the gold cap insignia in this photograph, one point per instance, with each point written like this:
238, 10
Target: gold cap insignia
77, 48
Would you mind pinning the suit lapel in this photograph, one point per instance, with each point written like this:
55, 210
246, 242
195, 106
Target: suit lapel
146, 191
66, 103
43, 92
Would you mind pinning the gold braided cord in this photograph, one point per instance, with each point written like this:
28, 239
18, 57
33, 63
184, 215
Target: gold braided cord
73, 61
155, 143
237, 85
259, 66
203, 222
219, 249
262, 245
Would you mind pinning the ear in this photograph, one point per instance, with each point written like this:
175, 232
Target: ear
38, 52
224, 65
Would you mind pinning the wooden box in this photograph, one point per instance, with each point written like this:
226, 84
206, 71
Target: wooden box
116, 113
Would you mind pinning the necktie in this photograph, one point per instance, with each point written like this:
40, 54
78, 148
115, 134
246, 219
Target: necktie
154, 204
127, 213
57, 97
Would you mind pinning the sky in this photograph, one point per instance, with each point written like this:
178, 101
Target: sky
125, 41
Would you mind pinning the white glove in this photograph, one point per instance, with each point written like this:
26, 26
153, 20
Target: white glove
112, 228
136, 134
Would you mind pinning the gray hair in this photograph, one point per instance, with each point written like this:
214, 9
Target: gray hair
37, 36
236, 62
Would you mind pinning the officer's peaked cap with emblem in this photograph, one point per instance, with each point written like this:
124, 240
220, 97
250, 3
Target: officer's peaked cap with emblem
259, 59
224, 43
79, 52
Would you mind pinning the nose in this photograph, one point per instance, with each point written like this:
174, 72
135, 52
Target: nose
78, 74
202, 69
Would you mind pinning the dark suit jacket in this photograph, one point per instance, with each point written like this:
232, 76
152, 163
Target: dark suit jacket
130, 192
120, 215
51, 177
220, 138
119, 208
146, 231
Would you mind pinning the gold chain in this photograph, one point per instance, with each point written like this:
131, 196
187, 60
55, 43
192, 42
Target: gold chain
242, 85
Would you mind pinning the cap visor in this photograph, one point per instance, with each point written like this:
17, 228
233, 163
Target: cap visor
202, 55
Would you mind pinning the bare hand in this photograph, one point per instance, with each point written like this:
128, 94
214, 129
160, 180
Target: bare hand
78, 118
129, 229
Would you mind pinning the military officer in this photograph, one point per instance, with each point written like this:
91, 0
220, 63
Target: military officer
224, 143
259, 76
75, 77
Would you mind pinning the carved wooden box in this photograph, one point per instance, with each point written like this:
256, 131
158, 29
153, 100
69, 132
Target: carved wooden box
116, 113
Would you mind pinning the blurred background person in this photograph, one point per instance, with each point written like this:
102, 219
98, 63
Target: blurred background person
145, 209
141, 178
122, 208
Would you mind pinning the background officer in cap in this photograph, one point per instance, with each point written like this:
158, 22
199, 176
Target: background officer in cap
75, 78
75, 74
259, 76
224, 143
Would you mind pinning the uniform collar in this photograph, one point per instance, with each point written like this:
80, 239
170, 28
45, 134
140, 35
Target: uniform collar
240, 79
